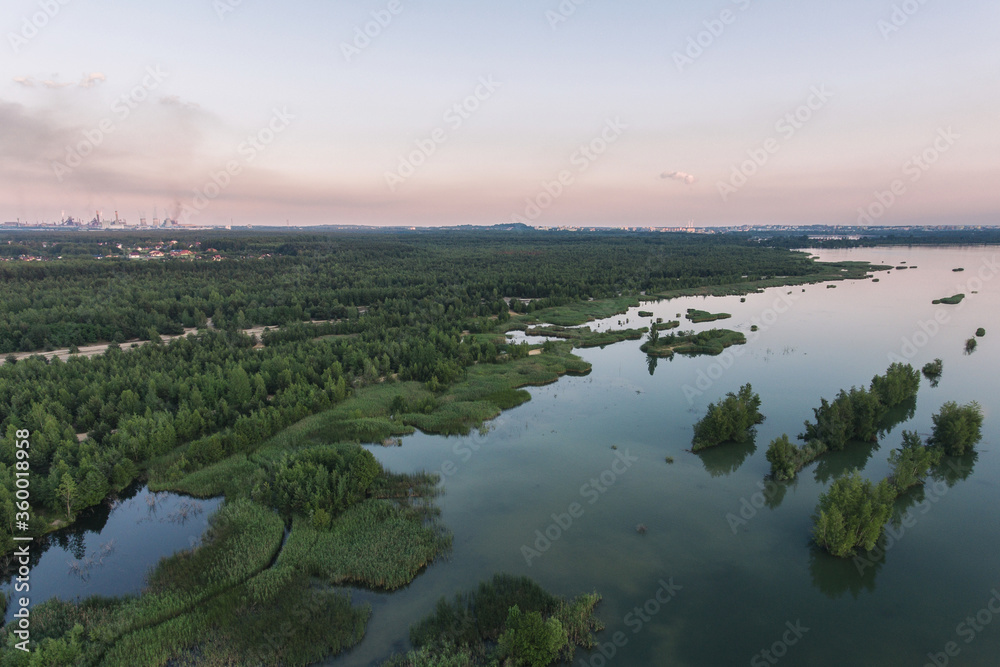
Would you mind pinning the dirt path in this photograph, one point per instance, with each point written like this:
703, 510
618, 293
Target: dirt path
100, 348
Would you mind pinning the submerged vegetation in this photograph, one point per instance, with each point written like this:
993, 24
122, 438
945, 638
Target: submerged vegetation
957, 428
856, 415
508, 620
731, 420
853, 513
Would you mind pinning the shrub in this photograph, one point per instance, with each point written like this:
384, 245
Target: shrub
731, 420
911, 463
531, 640
957, 429
852, 514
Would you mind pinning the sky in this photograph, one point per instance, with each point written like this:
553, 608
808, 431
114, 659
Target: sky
548, 112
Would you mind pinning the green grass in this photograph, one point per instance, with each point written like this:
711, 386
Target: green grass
949, 301
667, 326
376, 543
645, 313
699, 316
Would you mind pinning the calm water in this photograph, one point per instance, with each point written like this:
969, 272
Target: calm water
739, 587
110, 550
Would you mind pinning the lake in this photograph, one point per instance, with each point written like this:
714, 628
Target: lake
740, 583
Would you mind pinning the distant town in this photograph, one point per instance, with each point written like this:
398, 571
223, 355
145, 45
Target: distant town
101, 223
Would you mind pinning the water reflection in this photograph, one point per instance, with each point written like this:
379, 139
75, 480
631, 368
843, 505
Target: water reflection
954, 469
109, 548
833, 464
836, 576
900, 414
727, 459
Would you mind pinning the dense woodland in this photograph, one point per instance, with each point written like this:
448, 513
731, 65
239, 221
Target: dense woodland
450, 279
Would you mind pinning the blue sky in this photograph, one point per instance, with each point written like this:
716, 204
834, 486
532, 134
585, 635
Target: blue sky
349, 132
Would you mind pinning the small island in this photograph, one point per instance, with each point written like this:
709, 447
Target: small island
698, 316
932, 371
949, 301
980, 332
666, 326
711, 342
